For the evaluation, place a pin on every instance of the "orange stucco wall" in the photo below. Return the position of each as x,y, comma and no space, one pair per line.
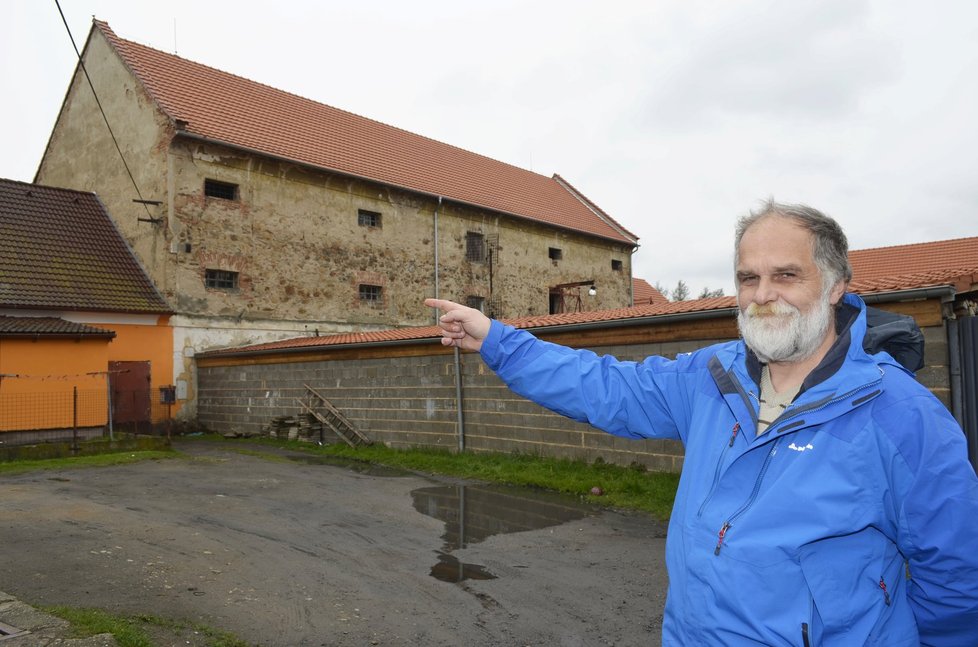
37,389
42,375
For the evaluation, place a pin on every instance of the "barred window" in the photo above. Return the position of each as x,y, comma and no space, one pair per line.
372,294
218,189
475,247
616,266
221,279
555,253
368,218
479,303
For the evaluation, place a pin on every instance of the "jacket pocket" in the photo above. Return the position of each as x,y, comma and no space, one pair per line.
842,574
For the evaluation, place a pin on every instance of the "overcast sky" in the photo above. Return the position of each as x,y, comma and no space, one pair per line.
674,116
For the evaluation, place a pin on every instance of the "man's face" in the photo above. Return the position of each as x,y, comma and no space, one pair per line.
785,310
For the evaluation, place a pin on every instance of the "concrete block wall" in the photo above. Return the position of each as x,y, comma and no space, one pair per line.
407,400
411,401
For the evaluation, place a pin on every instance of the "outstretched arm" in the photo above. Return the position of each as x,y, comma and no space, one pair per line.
461,326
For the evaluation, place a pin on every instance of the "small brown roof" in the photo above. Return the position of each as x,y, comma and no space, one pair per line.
643,292
207,103
48,327
60,250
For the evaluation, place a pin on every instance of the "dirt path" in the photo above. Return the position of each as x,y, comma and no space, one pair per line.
284,552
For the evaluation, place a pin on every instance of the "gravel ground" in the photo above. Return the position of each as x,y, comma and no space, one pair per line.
282,551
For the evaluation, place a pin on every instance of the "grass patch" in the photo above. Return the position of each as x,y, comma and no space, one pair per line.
134,631
95,460
631,488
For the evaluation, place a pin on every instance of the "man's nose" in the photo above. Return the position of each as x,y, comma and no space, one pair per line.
766,291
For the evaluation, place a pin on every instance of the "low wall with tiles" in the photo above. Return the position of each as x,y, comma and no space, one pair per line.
405,396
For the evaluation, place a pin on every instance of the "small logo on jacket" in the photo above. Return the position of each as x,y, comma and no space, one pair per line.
803,448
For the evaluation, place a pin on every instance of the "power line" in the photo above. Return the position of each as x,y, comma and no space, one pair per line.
81,64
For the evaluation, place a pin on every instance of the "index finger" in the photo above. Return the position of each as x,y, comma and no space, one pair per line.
442,304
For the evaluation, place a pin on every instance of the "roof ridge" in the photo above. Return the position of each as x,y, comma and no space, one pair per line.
334,140
46,187
926,243
104,26
598,211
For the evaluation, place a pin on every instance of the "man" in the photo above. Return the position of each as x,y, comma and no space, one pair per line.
825,499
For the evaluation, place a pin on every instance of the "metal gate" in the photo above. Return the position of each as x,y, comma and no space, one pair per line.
968,410
131,404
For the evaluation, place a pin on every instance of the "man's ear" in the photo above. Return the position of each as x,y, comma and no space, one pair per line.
835,294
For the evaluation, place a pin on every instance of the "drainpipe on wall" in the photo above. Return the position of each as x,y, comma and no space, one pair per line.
954,370
458,362
458,400
437,294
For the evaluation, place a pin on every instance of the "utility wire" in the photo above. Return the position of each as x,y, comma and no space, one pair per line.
81,64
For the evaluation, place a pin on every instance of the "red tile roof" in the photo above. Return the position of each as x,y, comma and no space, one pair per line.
910,267
915,259
60,250
48,327
219,106
643,292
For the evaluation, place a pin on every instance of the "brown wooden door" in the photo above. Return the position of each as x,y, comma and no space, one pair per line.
130,395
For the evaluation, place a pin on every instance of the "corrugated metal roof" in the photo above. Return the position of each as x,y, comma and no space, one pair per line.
219,106
60,250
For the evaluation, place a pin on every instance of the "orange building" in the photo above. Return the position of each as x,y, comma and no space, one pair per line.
85,341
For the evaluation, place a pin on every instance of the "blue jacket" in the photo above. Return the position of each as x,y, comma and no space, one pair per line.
852,521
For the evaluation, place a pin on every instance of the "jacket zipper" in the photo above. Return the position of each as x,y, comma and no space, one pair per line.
716,472
722,534
804,635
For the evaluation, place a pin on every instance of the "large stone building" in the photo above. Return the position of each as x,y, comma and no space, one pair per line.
261,215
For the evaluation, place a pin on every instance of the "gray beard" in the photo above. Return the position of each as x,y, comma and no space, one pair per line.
791,338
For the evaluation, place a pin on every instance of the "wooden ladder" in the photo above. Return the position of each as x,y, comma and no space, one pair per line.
331,418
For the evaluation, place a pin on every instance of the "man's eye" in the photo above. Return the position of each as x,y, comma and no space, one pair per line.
748,280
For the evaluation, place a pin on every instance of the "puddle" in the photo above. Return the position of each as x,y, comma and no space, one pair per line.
474,513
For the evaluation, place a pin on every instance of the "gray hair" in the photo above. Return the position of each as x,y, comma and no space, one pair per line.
830,249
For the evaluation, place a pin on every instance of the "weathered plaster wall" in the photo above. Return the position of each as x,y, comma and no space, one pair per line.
293,237
81,154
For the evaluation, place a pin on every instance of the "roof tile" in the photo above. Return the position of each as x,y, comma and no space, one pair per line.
223,107
48,327
59,249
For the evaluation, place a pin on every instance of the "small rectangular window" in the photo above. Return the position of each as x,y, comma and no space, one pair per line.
616,266
222,190
221,279
479,303
475,247
372,294
368,218
555,253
